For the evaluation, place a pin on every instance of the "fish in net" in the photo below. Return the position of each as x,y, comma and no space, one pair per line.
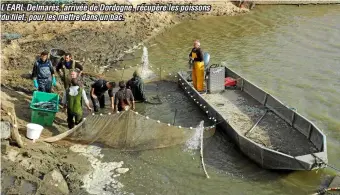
126,131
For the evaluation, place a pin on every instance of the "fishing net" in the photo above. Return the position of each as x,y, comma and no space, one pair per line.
127,131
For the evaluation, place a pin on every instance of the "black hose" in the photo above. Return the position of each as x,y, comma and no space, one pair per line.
175,117
214,66
153,103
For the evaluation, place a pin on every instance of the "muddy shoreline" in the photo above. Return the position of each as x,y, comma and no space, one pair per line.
94,44
26,170
62,168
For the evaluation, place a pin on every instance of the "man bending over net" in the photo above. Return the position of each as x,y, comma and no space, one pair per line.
124,98
97,93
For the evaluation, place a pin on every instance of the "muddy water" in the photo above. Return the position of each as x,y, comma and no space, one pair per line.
292,52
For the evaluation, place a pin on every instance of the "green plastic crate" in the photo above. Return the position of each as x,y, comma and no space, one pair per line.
42,116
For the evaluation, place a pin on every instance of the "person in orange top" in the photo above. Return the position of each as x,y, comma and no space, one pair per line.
197,58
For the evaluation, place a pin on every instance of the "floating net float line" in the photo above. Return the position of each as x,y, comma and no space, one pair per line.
127,131
191,93
158,70
158,121
138,65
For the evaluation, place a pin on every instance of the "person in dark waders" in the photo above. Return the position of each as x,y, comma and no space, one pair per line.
197,59
124,99
72,100
98,89
67,65
43,74
136,85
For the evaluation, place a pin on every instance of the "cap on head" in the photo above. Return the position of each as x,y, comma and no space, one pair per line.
121,84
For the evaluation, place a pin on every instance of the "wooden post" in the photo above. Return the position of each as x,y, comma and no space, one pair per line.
13,120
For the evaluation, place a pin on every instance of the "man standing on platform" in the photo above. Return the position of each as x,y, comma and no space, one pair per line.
197,58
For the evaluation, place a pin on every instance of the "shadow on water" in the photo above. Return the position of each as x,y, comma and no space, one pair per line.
175,105
221,153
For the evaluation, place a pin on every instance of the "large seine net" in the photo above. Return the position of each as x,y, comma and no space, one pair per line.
128,131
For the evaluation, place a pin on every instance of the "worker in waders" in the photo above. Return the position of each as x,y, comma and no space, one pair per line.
67,65
197,59
72,100
124,99
136,85
98,89
43,74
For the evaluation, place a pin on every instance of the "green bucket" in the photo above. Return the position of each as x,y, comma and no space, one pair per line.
42,116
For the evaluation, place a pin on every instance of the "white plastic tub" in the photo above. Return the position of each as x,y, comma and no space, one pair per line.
33,131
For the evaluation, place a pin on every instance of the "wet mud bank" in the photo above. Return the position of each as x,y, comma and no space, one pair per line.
95,44
41,168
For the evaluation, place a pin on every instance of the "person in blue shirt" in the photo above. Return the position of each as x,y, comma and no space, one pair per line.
43,74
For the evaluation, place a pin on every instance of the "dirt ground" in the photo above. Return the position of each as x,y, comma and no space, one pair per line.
25,170
42,168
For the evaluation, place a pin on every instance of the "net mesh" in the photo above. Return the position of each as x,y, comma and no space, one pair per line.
128,131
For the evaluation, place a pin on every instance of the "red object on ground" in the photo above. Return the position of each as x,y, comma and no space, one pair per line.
229,81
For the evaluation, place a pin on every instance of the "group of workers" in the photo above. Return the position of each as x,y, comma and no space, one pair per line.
44,76
70,71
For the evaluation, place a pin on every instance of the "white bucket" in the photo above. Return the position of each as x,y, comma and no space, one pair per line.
34,131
